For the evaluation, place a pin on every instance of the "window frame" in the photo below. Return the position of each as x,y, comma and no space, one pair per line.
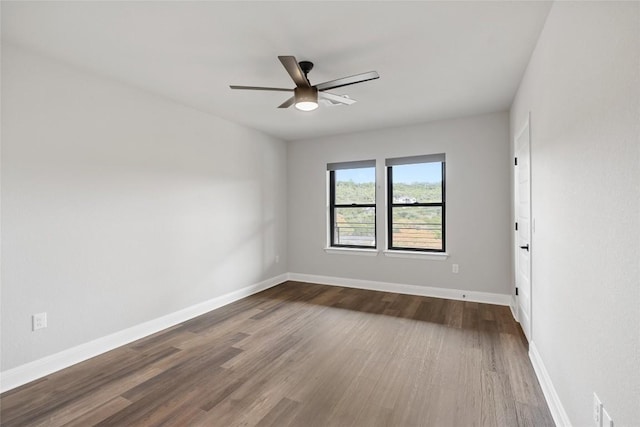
391,204
331,168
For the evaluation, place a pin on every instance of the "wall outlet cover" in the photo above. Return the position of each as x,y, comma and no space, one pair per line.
39,321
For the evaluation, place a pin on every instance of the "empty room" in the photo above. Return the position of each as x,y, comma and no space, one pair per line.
320,213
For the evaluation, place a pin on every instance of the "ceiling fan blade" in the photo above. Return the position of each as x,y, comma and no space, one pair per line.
293,68
278,89
336,98
288,103
346,81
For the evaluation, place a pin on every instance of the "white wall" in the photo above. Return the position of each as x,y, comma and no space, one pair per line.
119,207
582,87
477,188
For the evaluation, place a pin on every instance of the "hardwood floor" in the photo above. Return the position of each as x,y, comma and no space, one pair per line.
304,355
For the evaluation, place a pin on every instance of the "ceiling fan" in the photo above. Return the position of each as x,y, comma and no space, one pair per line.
305,96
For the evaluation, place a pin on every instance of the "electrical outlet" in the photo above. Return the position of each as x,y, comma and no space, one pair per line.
39,321
597,410
277,259
455,268
606,419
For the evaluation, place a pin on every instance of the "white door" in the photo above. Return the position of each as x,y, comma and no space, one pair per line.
523,234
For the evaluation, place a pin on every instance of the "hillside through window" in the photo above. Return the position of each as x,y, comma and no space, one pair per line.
416,203
352,199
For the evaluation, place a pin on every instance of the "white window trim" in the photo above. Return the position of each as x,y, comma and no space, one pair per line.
351,251
435,256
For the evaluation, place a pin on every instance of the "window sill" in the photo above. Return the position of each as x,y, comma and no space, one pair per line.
436,256
352,251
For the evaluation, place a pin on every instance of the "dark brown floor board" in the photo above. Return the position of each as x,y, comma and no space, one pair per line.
302,354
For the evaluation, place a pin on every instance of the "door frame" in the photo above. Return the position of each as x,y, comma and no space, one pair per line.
525,127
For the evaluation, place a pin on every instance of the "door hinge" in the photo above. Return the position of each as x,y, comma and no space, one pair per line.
515,161
516,291
516,226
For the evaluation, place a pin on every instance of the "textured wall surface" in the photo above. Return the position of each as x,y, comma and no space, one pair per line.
477,197
582,88
119,207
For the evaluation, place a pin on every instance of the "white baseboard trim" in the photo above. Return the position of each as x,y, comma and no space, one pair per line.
513,306
31,371
426,291
28,372
553,400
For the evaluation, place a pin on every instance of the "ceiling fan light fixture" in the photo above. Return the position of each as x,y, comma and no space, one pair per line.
306,98
306,105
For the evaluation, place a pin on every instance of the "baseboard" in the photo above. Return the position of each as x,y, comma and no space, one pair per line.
427,291
28,372
553,400
514,311
31,371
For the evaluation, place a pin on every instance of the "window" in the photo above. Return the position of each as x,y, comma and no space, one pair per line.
352,204
416,203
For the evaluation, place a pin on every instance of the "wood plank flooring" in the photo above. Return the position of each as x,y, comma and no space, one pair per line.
302,354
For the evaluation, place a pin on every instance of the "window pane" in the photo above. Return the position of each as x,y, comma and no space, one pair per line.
355,186
355,226
417,227
419,182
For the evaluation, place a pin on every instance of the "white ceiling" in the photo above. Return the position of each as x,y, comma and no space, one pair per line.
436,60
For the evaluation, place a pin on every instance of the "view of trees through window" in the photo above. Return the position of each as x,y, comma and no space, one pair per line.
416,206
355,225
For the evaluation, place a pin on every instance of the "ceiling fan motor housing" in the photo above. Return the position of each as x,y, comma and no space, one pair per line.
306,94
